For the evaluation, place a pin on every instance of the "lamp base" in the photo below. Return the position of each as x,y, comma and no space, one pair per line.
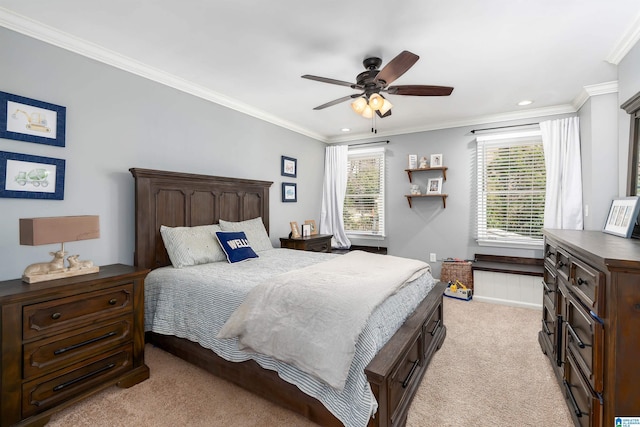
59,274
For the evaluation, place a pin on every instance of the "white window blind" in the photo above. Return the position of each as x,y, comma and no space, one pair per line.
511,189
363,212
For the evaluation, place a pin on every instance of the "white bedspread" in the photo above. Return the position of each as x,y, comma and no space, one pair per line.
312,317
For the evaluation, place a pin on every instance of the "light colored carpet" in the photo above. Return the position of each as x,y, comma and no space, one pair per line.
489,372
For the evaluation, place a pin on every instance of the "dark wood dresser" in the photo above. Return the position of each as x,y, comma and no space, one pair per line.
63,340
315,243
591,322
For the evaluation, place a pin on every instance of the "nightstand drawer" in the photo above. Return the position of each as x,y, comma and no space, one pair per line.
47,355
46,392
78,310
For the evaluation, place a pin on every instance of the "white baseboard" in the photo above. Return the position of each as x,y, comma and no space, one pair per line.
510,303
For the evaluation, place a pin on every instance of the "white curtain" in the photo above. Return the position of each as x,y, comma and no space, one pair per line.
333,192
563,204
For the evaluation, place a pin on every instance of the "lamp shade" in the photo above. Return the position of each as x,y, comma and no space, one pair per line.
359,105
375,101
48,230
367,113
386,106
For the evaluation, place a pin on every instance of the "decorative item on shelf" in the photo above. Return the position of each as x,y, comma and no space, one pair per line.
623,216
295,233
306,230
434,186
49,230
312,223
413,161
436,160
424,164
415,190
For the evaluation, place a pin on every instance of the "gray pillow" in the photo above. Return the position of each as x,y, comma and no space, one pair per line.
192,245
253,229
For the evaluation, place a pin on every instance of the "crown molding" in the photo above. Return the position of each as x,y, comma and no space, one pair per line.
42,32
625,44
594,90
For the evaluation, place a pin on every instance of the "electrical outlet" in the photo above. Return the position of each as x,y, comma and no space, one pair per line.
432,257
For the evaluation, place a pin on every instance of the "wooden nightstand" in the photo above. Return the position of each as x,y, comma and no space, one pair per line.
314,243
63,340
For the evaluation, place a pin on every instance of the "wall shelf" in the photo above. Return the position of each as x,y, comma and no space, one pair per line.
411,196
441,168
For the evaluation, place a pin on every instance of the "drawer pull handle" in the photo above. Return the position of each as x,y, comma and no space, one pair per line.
113,301
91,341
546,328
581,281
84,377
56,316
574,403
575,336
435,327
407,380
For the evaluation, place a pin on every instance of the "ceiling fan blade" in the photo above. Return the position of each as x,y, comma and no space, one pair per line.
327,80
420,90
397,67
337,101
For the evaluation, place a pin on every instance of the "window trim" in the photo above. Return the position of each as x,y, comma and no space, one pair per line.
364,234
500,139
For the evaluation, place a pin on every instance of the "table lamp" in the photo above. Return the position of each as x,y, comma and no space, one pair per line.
63,229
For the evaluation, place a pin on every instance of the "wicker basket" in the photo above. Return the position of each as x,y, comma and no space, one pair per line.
459,270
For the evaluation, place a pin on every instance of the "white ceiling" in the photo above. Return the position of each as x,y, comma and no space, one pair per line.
249,55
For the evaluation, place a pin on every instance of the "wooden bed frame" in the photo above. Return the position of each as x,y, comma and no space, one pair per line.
181,199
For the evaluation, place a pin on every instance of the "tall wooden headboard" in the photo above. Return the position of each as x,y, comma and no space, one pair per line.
181,199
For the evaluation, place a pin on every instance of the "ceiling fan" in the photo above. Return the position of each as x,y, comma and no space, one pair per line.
373,82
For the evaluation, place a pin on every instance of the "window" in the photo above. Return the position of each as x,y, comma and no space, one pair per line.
363,212
511,189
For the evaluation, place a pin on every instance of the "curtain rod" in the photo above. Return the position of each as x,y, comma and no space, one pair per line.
504,127
367,143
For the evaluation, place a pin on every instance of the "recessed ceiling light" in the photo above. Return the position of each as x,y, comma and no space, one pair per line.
345,130
525,102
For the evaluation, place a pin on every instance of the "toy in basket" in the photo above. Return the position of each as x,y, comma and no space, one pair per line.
459,291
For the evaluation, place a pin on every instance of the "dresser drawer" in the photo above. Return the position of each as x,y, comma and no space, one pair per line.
46,392
585,406
47,355
550,253
402,379
586,283
430,330
549,326
549,286
584,339
72,312
323,245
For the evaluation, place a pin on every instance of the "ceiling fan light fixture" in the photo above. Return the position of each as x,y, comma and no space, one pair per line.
359,105
376,101
386,106
368,112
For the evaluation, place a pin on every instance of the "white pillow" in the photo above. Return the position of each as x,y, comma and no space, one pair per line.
254,230
192,245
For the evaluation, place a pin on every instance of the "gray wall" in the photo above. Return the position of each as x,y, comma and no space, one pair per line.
115,121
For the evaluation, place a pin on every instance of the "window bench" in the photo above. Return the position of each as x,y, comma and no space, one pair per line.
514,281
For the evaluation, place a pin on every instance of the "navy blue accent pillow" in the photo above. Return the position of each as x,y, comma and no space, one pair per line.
235,245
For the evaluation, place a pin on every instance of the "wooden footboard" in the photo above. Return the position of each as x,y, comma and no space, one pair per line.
394,374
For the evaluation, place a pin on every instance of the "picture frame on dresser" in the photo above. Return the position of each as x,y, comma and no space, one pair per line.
31,177
623,216
30,120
